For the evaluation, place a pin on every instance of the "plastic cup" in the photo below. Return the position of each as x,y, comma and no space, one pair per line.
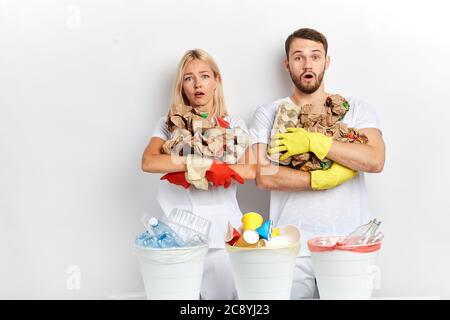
172,274
288,234
275,232
231,235
248,239
251,221
265,230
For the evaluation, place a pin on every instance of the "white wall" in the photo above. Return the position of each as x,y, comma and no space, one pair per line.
83,82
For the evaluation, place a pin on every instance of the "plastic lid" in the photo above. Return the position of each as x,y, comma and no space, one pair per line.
153,222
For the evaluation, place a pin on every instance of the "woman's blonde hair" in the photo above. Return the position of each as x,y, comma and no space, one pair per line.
179,98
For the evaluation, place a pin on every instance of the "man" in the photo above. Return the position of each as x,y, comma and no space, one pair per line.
321,202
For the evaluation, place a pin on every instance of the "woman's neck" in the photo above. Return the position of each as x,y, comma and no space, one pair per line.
205,109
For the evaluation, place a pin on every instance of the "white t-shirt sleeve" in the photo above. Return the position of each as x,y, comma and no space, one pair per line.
160,129
364,115
236,123
261,126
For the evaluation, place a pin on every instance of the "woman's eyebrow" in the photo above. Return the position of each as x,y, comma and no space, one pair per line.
191,73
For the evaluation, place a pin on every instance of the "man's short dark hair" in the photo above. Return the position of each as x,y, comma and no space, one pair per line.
308,34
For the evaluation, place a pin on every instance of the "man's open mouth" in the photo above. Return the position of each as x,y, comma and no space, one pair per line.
308,76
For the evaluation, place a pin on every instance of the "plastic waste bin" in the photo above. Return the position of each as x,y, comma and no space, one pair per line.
263,273
172,273
344,272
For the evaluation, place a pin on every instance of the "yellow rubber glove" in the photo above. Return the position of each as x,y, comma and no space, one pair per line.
327,179
298,140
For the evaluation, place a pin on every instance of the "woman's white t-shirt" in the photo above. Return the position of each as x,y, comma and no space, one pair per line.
217,204
336,211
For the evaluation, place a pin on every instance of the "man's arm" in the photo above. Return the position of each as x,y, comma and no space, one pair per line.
360,157
246,166
276,177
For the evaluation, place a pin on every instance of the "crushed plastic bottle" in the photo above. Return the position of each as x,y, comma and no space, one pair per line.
147,240
166,237
364,234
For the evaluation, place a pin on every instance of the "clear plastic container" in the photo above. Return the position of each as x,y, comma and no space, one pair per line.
191,228
364,234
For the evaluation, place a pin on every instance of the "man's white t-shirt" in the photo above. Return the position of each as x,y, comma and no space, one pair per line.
336,211
217,204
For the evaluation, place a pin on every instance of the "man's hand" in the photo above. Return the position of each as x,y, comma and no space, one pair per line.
298,141
178,178
327,179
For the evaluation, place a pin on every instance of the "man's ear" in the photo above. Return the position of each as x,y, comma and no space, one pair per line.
286,64
327,62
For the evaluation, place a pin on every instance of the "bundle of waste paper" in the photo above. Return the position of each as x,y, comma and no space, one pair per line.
192,132
326,121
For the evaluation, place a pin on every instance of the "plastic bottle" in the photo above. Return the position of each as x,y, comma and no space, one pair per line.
146,240
358,235
166,237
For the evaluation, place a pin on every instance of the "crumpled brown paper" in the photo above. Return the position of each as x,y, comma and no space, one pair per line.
196,170
327,122
193,134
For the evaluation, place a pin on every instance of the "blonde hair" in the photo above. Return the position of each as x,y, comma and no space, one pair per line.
179,98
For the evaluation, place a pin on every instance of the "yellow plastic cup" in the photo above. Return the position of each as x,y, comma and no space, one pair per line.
275,232
251,221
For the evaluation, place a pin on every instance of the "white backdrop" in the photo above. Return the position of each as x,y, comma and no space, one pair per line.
83,82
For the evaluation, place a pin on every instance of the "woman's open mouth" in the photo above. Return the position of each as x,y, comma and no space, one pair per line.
199,94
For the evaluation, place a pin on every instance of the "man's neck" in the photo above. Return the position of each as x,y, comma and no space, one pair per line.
317,98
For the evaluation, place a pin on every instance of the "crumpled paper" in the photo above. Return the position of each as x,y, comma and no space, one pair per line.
327,122
196,170
191,133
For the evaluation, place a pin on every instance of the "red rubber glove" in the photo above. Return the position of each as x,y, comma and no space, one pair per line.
177,178
220,174
223,123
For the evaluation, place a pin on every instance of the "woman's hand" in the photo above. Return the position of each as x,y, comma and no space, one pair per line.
220,174
178,178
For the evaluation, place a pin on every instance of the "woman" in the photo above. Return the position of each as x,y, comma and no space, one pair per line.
203,185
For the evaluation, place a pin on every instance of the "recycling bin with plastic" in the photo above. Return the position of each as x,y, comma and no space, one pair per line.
344,271
172,274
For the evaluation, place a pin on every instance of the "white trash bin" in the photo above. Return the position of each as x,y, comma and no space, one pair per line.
263,273
350,273
172,274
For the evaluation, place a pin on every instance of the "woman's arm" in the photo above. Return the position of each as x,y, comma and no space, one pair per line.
154,161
